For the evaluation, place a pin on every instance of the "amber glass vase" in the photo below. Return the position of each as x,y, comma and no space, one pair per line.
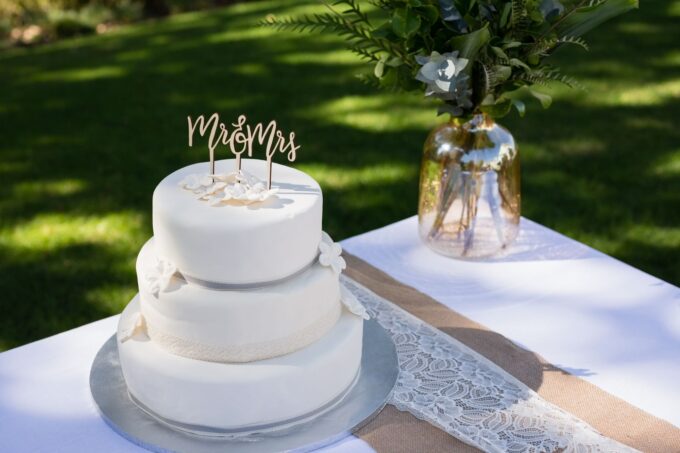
469,189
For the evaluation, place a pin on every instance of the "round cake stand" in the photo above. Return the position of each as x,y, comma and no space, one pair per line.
364,400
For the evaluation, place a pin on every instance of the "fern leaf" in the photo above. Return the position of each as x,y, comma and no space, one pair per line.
576,40
519,17
543,77
353,9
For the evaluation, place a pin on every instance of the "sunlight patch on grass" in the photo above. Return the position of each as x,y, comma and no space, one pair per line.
13,167
171,68
579,146
669,165
52,231
249,69
133,55
674,9
239,34
651,124
653,94
79,74
60,187
376,113
333,58
670,59
657,236
347,178
637,28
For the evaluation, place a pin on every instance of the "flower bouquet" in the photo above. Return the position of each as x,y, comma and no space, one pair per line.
481,58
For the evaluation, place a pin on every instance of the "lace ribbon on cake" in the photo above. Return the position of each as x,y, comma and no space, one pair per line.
454,388
239,353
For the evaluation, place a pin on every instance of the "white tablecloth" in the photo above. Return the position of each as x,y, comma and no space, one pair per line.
592,315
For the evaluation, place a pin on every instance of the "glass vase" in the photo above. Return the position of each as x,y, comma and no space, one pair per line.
469,189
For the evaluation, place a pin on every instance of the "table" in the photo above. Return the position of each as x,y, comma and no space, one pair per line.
592,315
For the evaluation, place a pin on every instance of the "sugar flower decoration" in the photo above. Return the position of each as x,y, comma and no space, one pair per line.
330,254
352,304
238,186
159,276
134,328
442,73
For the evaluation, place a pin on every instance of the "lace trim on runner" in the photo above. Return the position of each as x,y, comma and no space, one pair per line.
456,389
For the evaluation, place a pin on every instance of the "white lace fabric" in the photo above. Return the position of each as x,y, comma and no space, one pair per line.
454,388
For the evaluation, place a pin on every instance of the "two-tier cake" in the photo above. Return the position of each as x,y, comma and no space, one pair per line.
240,321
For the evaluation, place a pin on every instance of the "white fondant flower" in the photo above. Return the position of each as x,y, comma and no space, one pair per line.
137,326
350,301
159,276
239,186
330,254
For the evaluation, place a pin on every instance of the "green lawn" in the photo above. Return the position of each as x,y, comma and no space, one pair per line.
89,126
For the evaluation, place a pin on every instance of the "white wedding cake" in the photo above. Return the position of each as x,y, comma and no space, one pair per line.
241,320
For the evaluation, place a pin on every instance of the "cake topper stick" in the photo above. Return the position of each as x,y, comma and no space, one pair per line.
282,146
214,138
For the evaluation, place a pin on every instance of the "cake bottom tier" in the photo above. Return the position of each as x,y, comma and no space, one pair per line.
224,396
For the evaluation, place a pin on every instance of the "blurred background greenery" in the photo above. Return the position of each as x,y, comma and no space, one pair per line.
90,125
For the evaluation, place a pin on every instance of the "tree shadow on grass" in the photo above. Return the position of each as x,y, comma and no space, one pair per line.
48,292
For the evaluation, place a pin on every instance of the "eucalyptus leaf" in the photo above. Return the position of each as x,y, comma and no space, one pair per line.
394,62
499,109
501,72
519,63
544,99
499,53
505,15
470,44
489,99
584,19
379,69
519,105
429,13
405,23
511,44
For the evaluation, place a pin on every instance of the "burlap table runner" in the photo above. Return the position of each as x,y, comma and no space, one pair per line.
395,431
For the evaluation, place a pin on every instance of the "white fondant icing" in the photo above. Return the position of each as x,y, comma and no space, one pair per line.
224,396
237,326
236,243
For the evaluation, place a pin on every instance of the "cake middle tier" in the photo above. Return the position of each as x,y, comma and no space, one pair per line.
222,325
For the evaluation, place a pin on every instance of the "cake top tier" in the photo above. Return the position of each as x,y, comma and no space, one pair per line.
234,239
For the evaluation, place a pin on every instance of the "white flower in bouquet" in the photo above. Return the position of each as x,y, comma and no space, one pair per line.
444,77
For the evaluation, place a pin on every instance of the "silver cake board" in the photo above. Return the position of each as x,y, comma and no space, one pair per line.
363,401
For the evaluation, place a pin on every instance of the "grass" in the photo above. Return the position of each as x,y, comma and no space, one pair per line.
89,126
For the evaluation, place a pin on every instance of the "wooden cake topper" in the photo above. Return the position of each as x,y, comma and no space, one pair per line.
240,139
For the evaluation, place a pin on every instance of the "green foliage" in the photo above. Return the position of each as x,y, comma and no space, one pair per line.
505,42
